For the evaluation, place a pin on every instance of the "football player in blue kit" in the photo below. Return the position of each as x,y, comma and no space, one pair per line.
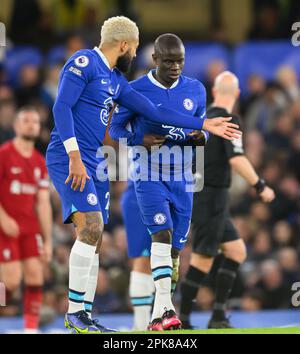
90,82
141,286
165,205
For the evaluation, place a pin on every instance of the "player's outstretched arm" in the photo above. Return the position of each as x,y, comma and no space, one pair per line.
140,104
244,168
222,127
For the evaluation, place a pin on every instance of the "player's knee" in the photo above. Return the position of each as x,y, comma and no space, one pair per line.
12,284
141,265
34,277
237,253
164,236
12,279
201,262
92,229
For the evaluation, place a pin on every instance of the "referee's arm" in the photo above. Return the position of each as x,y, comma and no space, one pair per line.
244,168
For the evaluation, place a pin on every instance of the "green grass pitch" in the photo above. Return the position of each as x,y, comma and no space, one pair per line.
285,330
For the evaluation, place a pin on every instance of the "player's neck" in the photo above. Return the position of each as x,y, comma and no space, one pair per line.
224,102
161,81
110,55
24,147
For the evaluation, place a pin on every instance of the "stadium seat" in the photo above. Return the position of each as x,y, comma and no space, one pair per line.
19,56
199,56
264,59
56,55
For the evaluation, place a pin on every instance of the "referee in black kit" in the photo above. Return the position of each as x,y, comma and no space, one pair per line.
213,229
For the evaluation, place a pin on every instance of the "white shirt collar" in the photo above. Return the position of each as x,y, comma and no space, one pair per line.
103,57
157,83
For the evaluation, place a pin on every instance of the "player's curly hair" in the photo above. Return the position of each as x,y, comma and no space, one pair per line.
119,28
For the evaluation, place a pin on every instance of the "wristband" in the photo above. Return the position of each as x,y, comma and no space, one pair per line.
260,186
71,145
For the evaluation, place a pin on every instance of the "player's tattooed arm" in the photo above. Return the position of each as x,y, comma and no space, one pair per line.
89,227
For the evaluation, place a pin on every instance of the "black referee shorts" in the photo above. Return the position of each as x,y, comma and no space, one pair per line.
212,224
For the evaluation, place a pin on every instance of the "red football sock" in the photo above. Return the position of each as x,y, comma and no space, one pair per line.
32,306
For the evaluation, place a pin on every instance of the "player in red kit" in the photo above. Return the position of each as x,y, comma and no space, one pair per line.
25,215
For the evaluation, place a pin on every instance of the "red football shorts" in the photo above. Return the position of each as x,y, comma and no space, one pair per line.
26,245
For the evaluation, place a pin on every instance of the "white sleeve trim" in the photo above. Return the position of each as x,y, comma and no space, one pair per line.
205,134
44,183
71,145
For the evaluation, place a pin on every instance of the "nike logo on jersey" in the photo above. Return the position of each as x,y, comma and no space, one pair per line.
16,170
104,82
183,240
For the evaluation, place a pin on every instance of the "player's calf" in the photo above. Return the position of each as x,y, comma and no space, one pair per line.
162,268
89,230
175,273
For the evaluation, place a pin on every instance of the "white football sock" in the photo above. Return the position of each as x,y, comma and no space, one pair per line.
80,264
161,265
141,295
91,286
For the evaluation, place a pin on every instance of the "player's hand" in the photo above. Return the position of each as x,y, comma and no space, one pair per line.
47,251
267,195
77,171
198,137
10,226
221,127
153,140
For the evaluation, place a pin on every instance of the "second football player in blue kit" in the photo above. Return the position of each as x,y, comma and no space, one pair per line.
164,200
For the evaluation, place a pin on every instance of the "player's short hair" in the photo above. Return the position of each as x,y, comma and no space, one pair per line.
119,28
25,109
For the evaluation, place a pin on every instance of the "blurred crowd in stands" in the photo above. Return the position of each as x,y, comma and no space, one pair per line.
271,121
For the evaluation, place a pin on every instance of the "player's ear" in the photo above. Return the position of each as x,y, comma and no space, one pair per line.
123,46
155,58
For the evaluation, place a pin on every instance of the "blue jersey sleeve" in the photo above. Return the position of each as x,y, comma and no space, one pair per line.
201,109
140,104
74,77
118,127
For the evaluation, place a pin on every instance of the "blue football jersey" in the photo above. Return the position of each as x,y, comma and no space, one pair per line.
186,95
89,70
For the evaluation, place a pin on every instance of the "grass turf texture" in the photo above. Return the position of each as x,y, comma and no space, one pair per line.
285,330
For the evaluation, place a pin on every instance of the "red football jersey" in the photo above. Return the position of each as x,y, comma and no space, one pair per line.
20,180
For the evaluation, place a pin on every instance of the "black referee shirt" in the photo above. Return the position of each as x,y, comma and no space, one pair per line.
218,152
